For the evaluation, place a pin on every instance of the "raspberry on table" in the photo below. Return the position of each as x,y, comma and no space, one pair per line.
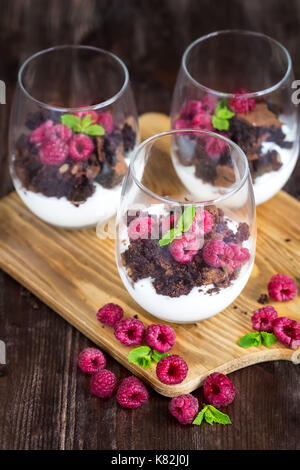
282,288
80,147
53,151
91,360
184,408
160,337
106,121
41,133
241,104
287,331
103,384
132,393
185,248
171,370
218,390
130,331
190,109
140,227
262,318
110,314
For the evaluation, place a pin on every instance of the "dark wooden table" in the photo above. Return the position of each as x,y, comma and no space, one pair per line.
44,401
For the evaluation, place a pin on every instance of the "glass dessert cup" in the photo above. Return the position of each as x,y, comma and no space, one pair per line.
238,83
72,131
183,259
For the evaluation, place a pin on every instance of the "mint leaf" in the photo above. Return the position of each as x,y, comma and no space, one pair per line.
86,121
199,418
71,121
220,124
156,356
268,338
218,417
183,225
250,339
94,130
140,356
209,418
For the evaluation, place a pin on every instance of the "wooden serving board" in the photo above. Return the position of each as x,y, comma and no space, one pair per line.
75,273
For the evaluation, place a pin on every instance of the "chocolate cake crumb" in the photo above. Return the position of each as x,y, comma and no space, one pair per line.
263,299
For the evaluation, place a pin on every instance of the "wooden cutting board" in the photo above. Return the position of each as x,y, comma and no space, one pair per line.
75,273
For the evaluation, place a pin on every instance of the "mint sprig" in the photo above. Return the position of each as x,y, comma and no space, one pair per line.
144,355
183,225
211,415
257,338
222,114
84,125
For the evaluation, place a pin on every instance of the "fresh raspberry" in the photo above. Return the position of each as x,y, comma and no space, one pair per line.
215,147
202,121
185,248
160,337
190,108
209,103
110,314
103,384
106,121
132,393
93,115
182,124
282,288
41,133
239,257
202,223
91,360
53,151
218,254
80,147
240,104
218,390
287,331
172,369
130,331
62,132
140,227
168,222
262,318
184,408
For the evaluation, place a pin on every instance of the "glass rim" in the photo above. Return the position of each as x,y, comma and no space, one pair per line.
96,106
235,188
246,33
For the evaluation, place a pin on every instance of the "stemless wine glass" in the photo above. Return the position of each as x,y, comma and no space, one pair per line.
184,259
72,130
238,83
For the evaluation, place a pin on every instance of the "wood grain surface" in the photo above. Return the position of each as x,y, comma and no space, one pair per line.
44,402
75,273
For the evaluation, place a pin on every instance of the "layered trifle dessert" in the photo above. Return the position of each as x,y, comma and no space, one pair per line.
258,127
184,264
68,168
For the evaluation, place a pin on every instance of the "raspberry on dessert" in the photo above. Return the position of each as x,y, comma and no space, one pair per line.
218,254
110,314
262,318
168,222
53,151
215,147
202,121
62,132
241,104
287,331
130,331
282,288
184,408
160,337
172,369
106,121
209,103
202,223
93,115
91,360
41,133
81,146
190,108
185,248
239,256
132,393
103,384
182,124
140,227
218,390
